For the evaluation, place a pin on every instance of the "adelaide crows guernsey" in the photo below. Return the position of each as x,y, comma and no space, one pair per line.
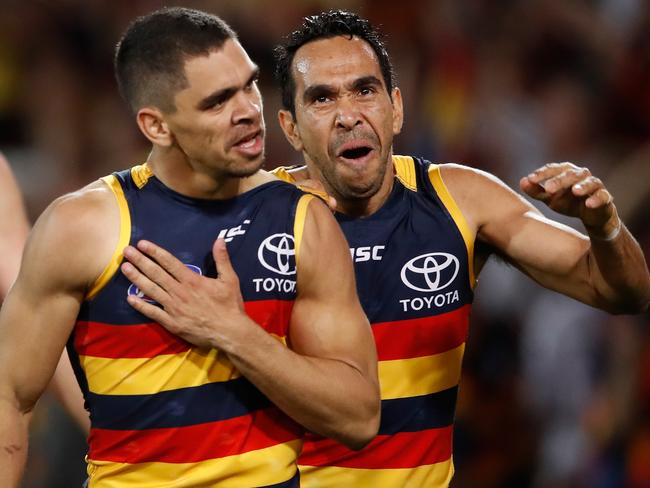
167,414
413,264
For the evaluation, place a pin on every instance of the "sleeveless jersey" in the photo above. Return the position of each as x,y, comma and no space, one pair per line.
413,264
167,414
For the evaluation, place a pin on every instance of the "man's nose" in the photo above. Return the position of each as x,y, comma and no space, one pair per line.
248,108
348,115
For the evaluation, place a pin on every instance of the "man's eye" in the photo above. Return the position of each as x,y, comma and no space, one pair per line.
366,91
321,99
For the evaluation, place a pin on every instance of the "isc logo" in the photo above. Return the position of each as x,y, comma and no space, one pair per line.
366,253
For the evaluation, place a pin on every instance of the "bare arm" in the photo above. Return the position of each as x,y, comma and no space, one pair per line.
61,259
610,274
327,381
13,227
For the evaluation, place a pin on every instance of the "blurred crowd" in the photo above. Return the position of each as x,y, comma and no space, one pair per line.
554,393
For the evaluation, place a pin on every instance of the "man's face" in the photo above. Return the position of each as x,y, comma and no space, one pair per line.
218,122
345,120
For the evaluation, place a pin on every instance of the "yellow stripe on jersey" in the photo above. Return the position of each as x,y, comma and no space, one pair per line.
122,241
282,173
405,171
146,376
141,174
402,378
436,475
255,468
457,215
299,222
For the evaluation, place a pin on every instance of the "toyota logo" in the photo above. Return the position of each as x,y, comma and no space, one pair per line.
430,272
277,254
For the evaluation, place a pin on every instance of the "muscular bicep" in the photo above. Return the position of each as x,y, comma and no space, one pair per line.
327,320
64,253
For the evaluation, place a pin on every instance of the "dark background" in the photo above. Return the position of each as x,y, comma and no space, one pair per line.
554,393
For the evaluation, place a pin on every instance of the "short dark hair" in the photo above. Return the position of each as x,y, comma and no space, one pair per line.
150,56
323,26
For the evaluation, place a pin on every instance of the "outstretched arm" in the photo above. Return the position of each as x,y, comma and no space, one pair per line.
605,269
327,380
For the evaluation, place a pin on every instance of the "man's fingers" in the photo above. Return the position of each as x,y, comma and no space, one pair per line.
599,199
548,171
165,259
156,314
587,186
147,287
149,268
313,185
565,180
317,188
533,190
222,260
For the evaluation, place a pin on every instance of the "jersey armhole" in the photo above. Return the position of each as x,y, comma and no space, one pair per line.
452,207
299,223
123,240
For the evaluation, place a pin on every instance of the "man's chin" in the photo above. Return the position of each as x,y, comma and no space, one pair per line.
247,168
360,192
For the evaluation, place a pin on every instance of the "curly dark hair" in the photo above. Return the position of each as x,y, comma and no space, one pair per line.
150,56
323,26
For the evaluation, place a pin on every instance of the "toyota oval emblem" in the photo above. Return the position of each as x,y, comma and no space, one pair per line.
430,272
277,254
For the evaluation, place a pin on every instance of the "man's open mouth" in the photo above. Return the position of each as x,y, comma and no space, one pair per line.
355,153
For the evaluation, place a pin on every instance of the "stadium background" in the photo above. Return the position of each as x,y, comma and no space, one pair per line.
553,393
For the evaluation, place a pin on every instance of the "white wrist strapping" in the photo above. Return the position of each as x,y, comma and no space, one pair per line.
612,235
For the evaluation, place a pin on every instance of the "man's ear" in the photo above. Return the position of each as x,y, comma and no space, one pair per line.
398,111
152,124
290,129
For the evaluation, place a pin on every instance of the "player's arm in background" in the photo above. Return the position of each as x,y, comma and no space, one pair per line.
605,268
63,255
327,379
13,227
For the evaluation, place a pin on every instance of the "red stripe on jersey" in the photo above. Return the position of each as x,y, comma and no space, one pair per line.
414,338
125,341
264,428
151,339
272,315
401,450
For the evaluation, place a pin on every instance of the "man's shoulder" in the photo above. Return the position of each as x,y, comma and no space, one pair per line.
87,203
75,236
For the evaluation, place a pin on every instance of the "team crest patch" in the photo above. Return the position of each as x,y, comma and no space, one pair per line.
134,291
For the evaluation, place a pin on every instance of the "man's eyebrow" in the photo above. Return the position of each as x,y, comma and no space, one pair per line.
216,98
315,91
364,81
224,94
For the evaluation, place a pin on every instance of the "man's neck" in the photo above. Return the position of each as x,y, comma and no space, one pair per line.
364,207
197,181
